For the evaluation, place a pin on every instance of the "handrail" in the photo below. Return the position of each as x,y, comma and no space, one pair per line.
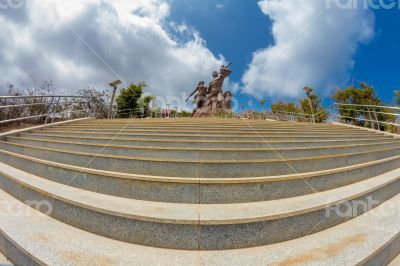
23,105
41,96
22,118
48,107
369,120
368,111
292,113
366,105
375,116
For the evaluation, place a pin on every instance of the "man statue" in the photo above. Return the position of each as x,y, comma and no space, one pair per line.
201,96
215,87
228,100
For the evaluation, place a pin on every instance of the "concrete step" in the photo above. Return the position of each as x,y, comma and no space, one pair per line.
266,152
4,261
208,128
199,226
207,123
195,190
223,137
370,239
199,168
395,262
199,128
195,132
204,143
186,122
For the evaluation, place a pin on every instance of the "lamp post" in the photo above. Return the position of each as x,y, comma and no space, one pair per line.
309,91
262,102
168,109
114,85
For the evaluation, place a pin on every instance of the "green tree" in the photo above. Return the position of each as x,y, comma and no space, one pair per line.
359,115
128,99
288,110
318,111
397,97
144,101
287,107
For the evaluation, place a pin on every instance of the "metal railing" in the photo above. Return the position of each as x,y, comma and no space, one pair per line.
45,109
377,117
289,116
147,113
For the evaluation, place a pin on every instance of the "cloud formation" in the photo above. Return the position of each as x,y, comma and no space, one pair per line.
314,46
92,42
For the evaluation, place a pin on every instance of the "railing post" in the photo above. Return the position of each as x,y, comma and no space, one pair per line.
377,120
370,118
55,109
48,110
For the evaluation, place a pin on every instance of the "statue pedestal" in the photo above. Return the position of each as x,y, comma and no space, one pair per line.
205,111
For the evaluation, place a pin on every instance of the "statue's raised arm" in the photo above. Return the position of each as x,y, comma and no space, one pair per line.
225,71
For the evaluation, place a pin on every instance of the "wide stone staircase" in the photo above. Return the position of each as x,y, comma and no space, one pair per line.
199,192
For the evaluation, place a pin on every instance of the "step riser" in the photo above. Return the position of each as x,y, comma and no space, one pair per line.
255,137
15,254
202,155
194,169
193,237
217,133
213,130
386,255
258,144
208,124
197,193
214,126
241,124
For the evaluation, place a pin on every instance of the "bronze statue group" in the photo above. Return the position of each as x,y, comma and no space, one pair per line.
212,100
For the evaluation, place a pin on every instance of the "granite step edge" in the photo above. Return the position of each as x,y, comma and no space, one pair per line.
161,212
356,242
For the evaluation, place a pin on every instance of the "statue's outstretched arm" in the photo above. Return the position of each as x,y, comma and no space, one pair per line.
225,72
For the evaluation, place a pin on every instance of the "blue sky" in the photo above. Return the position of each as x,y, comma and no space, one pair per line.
276,47
234,29
378,63
238,28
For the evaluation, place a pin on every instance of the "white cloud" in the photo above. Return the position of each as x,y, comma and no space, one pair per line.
220,5
132,37
321,56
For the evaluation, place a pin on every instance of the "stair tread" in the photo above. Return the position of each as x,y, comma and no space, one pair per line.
56,243
196,180
201,161
190,149
205,141
198,213
219,133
